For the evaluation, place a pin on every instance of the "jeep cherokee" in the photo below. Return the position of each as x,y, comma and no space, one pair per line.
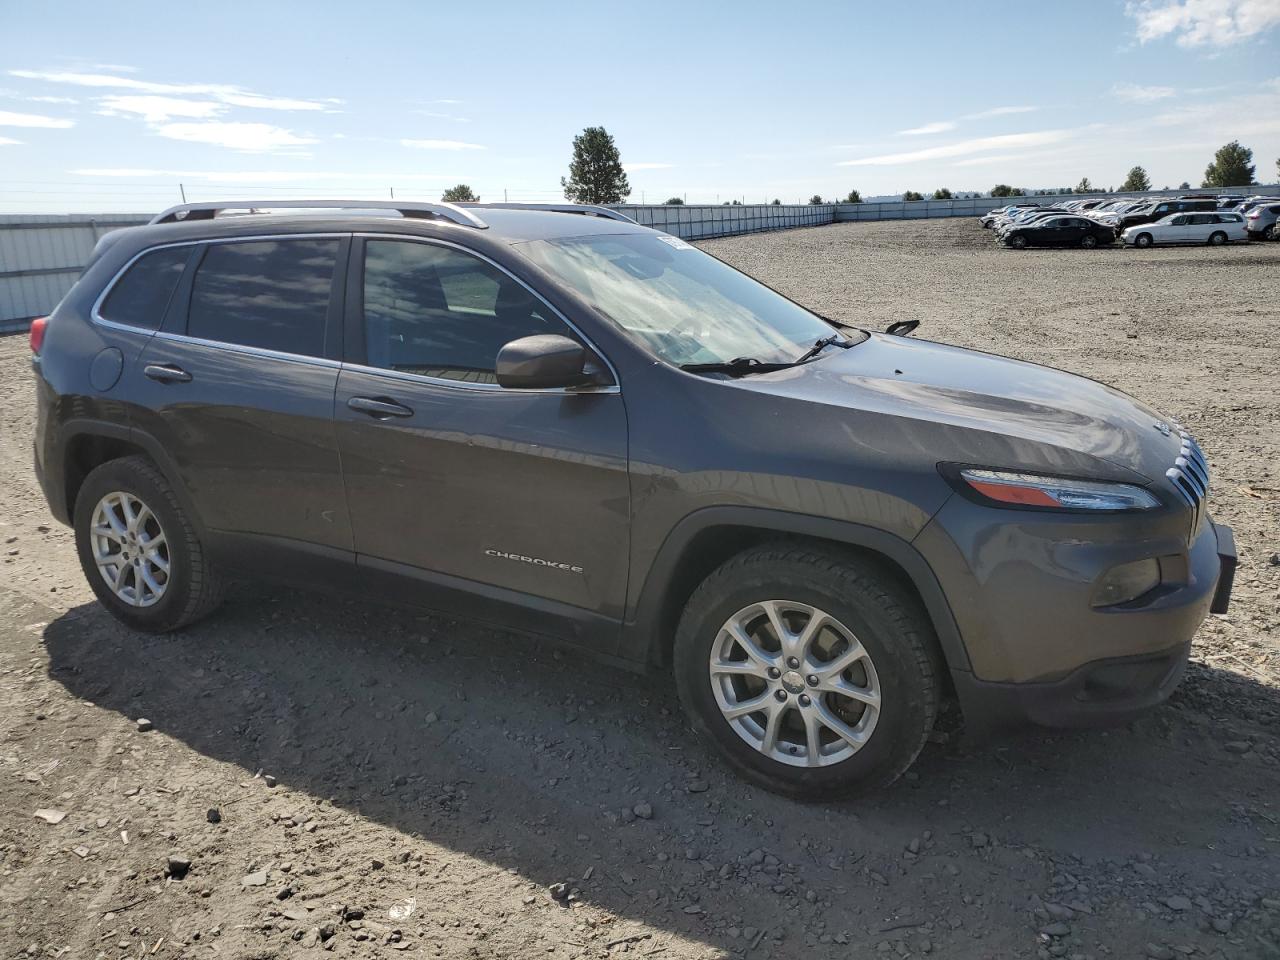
562,422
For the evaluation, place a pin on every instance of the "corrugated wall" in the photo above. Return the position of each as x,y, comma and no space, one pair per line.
41,256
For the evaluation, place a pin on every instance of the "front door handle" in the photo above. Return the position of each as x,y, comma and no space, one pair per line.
379,408
166,373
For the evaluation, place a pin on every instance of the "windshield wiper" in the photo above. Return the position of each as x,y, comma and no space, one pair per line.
818,346
738,366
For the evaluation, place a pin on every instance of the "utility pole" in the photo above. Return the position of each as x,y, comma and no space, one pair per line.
393,192
504,194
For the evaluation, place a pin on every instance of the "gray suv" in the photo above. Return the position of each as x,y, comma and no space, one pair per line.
562,422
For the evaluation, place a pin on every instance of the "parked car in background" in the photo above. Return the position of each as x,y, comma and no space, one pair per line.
1158,210
1211,228
989,219
1260,222
1246,205
1229,202
1059,231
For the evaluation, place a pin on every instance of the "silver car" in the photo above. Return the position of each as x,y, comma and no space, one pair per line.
1211,228
1261,222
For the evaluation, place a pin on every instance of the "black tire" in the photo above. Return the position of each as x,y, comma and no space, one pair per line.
1217,238
193,589
1271,233
1143,240
883,615
1089,241
1018,242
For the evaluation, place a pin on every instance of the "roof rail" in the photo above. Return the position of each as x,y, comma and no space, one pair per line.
587,209
406,208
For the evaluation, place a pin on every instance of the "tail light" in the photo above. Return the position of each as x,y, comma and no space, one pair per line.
38,327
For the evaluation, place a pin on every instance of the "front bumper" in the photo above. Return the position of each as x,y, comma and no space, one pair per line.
1107,690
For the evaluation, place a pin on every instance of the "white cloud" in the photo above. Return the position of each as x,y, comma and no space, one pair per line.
941,126
647,166
1197,23
440,145
998,112
250,137
222,92
1134,93
9,119
71,100
8,142
158,109
962,148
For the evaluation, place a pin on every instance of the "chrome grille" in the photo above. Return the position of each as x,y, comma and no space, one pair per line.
1190,477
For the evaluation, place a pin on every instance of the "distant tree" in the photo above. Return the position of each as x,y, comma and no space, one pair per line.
855,197
815,199
1017,192
1232,166
1184,185
674,202
1084,186
595,172
911,195
460,194
1278,168
775,202
942,193
1002,190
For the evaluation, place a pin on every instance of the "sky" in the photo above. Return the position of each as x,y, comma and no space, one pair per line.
111,107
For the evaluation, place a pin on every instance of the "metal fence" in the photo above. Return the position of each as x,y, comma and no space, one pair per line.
977,206
41,256
698,222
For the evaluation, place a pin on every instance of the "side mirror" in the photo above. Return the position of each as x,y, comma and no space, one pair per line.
544,361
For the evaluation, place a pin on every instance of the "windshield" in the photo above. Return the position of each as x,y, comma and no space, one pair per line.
682,304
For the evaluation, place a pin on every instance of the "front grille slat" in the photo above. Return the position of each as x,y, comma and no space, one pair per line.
1189,476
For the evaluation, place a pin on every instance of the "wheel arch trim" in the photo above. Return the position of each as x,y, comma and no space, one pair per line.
642,634
77,428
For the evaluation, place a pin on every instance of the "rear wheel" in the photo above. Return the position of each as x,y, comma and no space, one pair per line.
139,550
811,673
1271,233
1217,238
1089,241
1143,240
1018,242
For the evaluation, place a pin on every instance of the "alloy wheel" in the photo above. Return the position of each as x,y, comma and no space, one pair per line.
795,683
130,549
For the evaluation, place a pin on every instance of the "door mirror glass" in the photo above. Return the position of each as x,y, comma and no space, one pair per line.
544,361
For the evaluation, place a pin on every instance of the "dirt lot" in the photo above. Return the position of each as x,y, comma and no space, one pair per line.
433,779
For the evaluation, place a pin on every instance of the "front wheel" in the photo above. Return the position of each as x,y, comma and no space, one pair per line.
1089,242
810,672
139,550
1143,240
1217,238
1018,242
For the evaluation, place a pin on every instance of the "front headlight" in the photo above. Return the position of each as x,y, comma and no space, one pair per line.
1056,493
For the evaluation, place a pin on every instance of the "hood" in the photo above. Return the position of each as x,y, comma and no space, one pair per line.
1004,402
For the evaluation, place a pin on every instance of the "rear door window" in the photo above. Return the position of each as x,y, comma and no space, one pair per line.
269,294
141,296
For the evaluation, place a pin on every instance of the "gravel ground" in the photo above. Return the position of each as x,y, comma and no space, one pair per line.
320,774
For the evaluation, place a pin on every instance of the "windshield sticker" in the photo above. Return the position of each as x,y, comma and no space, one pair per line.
676,242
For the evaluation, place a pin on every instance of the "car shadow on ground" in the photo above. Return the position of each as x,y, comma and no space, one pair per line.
526,755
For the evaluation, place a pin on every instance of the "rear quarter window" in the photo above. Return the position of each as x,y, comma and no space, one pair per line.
141,296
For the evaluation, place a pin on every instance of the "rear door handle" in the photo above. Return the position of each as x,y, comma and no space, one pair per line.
166,373
379,408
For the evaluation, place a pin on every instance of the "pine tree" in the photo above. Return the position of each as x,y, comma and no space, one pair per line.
595,172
